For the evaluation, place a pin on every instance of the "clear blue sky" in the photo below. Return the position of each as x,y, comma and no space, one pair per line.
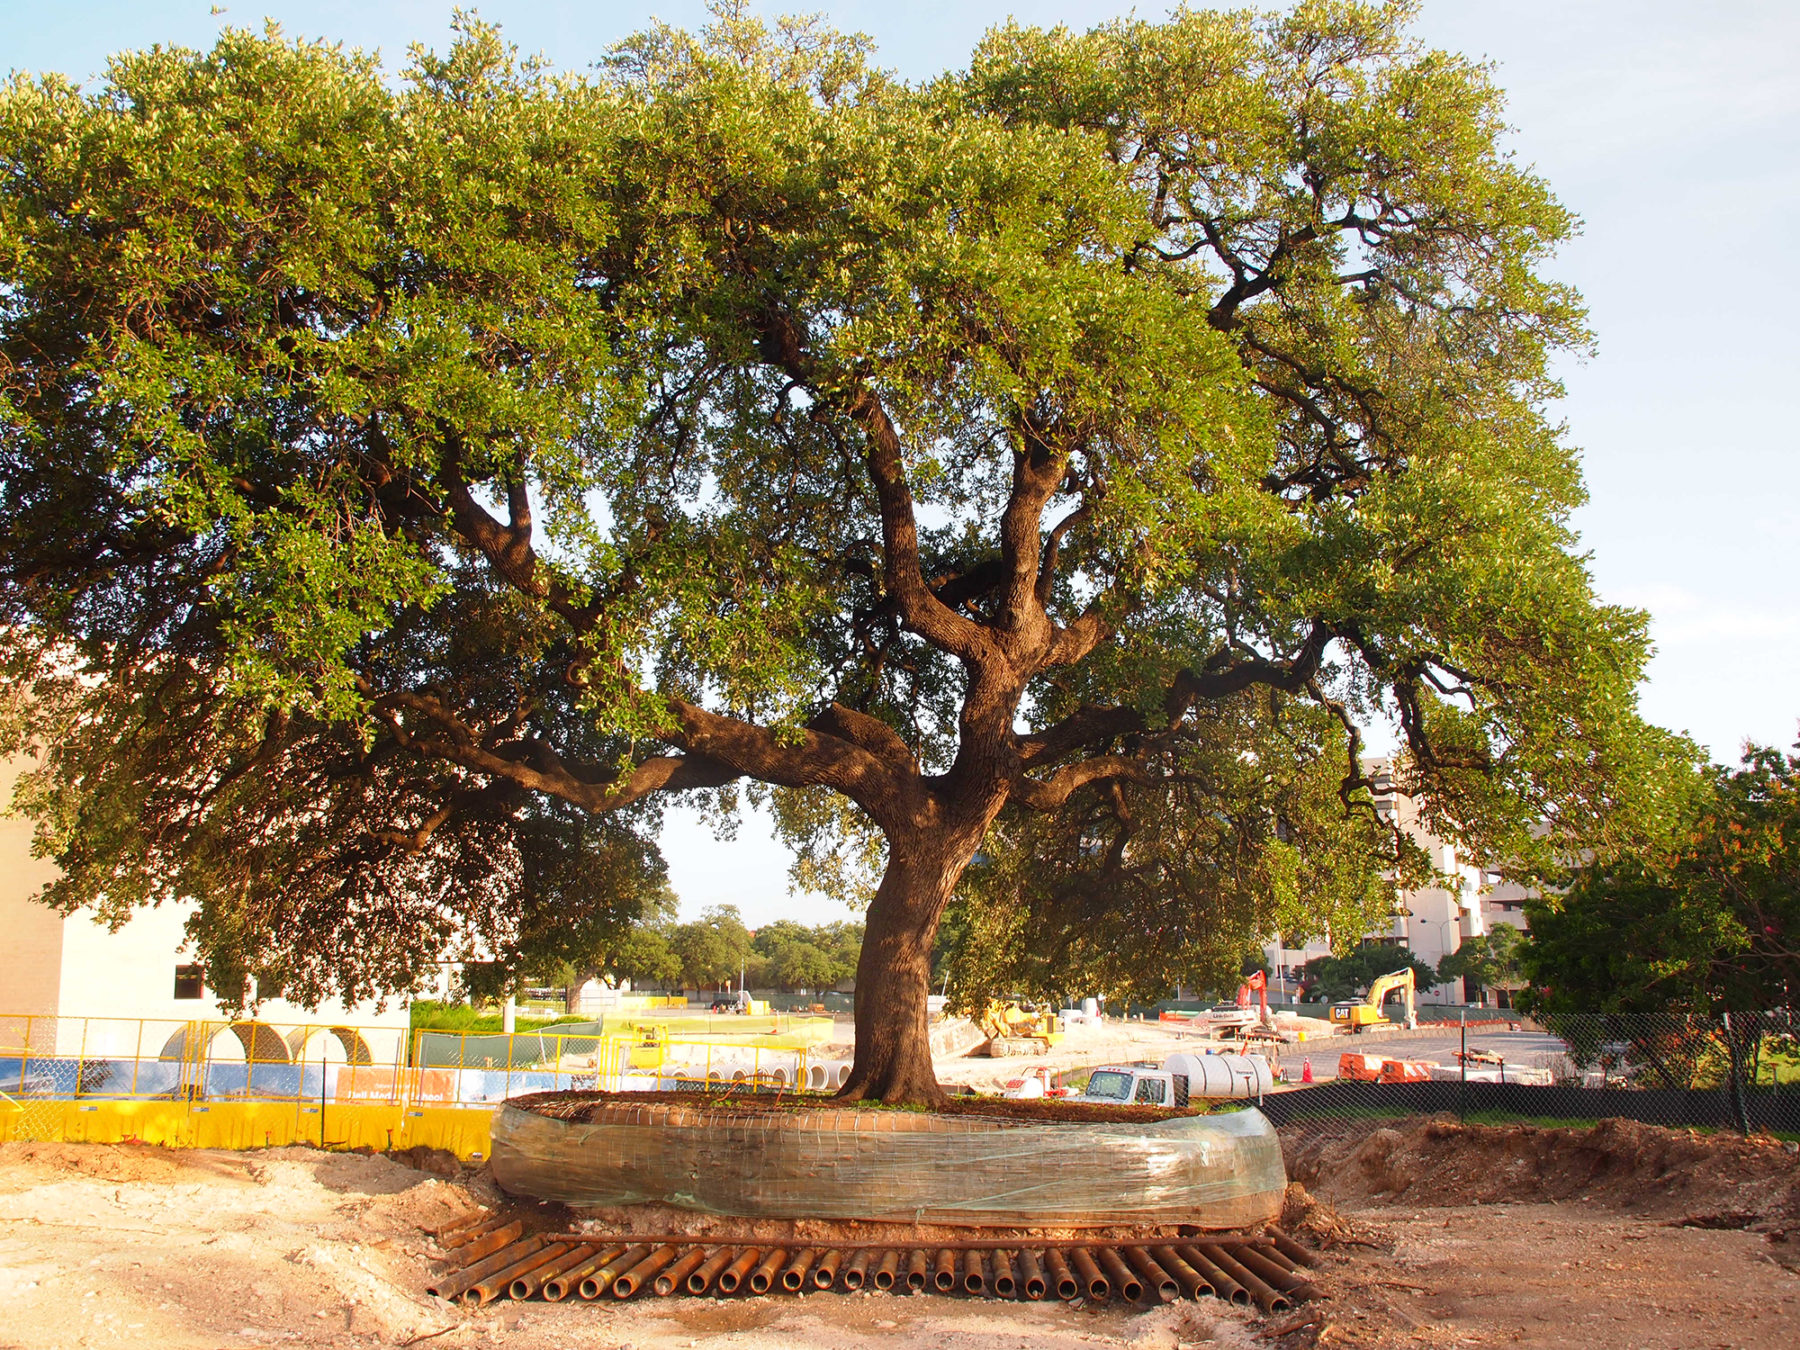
1671,127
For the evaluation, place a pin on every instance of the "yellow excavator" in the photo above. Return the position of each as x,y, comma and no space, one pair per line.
1009,1021
1361,1016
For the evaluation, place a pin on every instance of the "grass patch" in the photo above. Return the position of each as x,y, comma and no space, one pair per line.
430,1015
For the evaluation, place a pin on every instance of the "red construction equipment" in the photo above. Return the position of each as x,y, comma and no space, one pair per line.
1376,1069
1404,1071
1359,1068
1258,984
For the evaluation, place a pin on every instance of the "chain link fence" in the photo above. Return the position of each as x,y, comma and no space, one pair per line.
49,1062
1737,1071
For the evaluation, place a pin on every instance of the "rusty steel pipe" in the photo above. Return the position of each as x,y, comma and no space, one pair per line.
825,1273
1223,1285
1120,1275
701,1280
858,1270
1092,1281
628,1283
675,1277
943,1271
1291,1249
1031,1276
597,1282
1005,1286
917,1270
1192,1282
794,1277
1269,1250
451,1285
450,1230
766,1273
1239,1269
886,1269
560,1285
974,1279
564,1257
738,1271
474,1232
491,1241
1274,1274
485,1290
1268,1298
1158,1283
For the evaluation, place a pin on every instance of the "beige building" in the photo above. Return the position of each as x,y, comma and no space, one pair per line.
138,992
1431,922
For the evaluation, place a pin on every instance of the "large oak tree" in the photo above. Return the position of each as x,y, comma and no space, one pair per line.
408,485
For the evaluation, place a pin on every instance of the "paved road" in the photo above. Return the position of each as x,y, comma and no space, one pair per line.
1527,1049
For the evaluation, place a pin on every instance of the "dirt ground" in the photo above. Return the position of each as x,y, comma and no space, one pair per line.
1625,1236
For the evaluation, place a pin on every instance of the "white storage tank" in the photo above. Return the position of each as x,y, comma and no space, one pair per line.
1217,1076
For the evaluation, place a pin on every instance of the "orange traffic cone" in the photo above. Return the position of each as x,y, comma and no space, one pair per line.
1306,1071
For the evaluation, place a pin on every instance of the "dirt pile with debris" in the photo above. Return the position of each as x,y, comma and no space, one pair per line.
205,1250
1716,1180
1318,1224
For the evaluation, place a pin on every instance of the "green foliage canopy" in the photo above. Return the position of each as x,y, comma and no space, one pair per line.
402,486
713,950
1332,979
1487,960
1709,924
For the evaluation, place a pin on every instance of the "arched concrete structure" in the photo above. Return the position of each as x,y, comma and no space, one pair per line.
239,1042
332,1045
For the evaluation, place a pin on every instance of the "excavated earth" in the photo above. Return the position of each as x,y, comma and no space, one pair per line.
1705,1180
1623,1237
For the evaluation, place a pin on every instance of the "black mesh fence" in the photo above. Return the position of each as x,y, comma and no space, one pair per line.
1734,1072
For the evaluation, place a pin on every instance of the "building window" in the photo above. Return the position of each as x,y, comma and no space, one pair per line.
190,982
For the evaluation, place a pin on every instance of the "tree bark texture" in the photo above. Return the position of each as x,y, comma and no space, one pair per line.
893,972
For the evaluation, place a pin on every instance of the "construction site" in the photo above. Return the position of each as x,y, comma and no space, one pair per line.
1369,1229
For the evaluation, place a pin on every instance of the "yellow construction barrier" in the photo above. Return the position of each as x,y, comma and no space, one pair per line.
462,1130
249,1084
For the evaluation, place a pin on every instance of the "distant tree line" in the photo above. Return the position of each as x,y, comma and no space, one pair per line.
716,950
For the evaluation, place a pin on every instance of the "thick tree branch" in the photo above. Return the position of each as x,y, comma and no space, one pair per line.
1037,471
902,577
1047,794
718,749
507,547
424,727
1222,675
414,841
1087,726
871,733
1046,579
901,573
1071,644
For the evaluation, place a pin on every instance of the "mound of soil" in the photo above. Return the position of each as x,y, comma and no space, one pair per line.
1715,1180
580,1106
122,1162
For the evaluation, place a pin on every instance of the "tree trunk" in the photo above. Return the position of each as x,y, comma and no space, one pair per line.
893,974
